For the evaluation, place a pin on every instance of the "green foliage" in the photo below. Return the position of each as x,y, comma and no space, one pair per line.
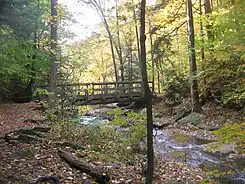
232,133
223,67
236,95
134,121
105,142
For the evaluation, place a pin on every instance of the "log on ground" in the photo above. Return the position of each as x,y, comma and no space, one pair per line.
99,176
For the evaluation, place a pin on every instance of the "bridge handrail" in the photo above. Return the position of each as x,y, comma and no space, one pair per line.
94,83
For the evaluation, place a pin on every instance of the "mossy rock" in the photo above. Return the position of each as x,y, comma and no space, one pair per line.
180,137
179,154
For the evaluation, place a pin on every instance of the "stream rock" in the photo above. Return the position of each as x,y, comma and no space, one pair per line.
182,110
214,124
160,123
193,118
225,149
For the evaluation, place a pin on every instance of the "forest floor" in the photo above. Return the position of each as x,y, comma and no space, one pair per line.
25,162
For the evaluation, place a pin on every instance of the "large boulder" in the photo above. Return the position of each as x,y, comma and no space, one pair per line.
182,110
214,124
193,118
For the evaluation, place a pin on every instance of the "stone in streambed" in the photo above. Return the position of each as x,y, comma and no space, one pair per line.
182,110
193,118
226,149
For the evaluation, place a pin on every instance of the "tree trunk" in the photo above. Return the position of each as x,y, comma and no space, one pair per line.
202,40
209,27
148,97
130,60
152,57
119,45
158,82
53,71
192,59
201,30
137,34
112,50
102,15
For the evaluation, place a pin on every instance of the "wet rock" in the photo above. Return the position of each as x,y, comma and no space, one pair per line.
233,179
180,137
237,180
193,118
226,149
111,106
161,122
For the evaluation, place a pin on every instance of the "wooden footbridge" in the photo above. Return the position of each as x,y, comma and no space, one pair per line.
101,93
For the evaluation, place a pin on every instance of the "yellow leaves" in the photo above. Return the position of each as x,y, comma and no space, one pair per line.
52,19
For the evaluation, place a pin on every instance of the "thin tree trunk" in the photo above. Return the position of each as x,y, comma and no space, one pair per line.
102,16
130,61
137,34
202,35
148,97
202,39
53,71
192,59
158,82
119,45
209,27
152,57
112,50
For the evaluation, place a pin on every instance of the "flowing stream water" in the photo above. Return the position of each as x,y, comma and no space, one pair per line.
183,148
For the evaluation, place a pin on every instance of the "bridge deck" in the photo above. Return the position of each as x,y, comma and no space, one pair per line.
101,93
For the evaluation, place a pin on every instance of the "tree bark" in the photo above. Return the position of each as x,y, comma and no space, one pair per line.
53,71
119,45
137,34
152,57
192,59
209,27
130,60
148,97
102,15
99,176
202,40
158,82
201,30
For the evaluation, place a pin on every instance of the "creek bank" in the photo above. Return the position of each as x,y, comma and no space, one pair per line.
184,137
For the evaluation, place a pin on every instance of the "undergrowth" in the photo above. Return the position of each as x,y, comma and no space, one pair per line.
106,142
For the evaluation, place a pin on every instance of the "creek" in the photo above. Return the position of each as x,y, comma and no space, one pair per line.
184,148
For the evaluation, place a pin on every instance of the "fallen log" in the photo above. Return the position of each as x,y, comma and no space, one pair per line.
27,135
99,176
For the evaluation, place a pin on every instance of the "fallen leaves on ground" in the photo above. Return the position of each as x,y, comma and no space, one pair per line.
16,116
26,162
